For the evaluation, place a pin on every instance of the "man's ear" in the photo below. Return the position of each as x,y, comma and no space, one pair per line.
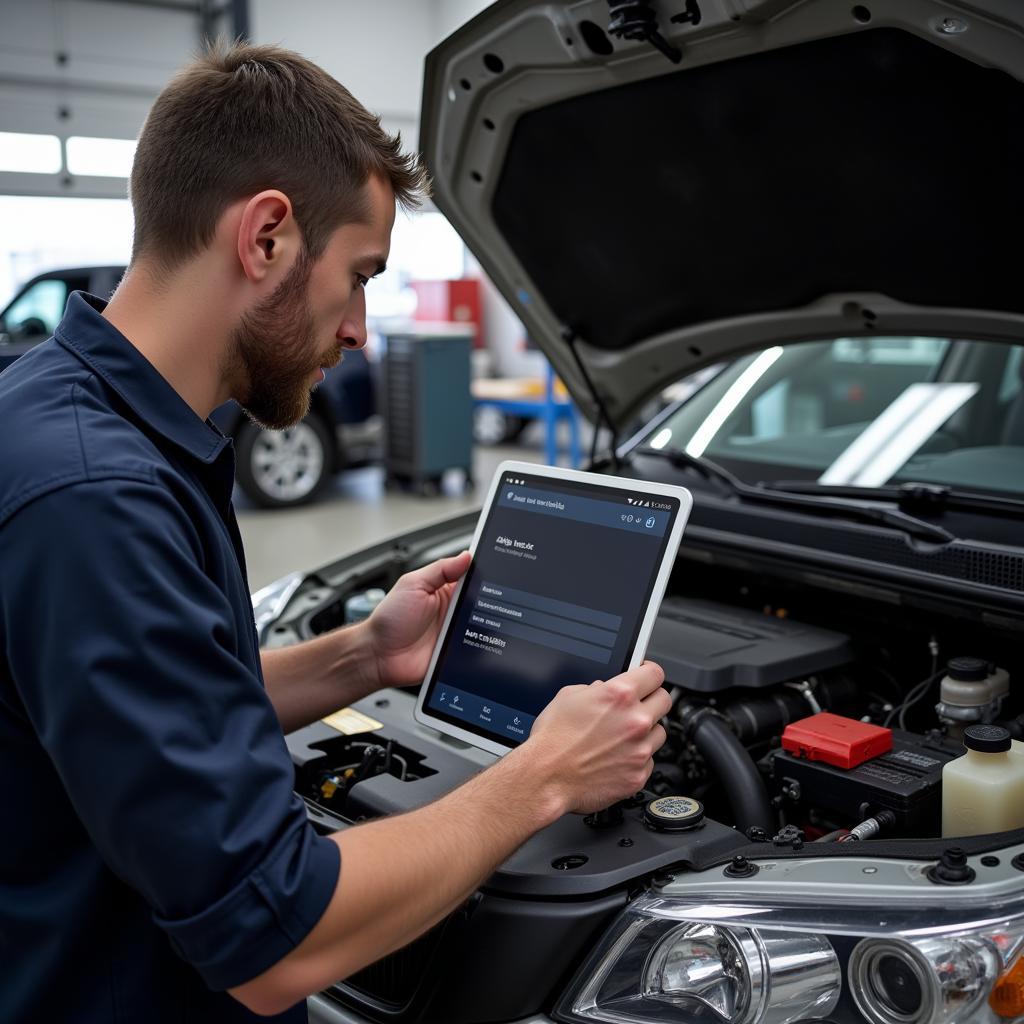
268,236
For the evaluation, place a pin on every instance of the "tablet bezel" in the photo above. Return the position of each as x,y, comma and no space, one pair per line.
423,714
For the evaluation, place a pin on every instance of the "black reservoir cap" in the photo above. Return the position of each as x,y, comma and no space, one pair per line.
991,739
673,813
967,670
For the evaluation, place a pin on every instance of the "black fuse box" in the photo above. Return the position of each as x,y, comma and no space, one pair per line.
907,781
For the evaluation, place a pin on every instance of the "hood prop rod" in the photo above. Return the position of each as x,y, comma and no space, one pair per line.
636,19
571,338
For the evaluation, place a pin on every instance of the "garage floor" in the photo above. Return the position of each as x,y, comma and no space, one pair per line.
355,512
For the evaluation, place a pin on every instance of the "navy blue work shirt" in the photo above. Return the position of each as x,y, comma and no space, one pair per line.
152,851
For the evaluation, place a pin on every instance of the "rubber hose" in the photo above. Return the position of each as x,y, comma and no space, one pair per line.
760,717
734,769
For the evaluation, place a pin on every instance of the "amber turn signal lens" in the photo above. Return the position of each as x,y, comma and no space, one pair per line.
1007,997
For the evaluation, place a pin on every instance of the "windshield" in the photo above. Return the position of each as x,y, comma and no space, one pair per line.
863,412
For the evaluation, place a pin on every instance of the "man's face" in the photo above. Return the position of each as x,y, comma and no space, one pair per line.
282,347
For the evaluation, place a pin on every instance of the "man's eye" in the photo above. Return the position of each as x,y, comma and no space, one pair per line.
361,281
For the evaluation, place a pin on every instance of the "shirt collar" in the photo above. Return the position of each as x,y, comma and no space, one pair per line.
106,351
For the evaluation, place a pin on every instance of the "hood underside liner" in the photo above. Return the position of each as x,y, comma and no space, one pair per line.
867,162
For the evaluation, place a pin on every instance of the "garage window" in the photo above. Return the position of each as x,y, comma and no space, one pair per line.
29,154
100,158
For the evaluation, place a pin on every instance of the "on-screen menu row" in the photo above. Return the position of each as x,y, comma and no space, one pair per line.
491,715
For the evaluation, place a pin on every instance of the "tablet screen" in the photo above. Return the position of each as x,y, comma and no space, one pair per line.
560,581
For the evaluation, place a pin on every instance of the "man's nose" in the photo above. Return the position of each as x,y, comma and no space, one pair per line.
353,336
353,327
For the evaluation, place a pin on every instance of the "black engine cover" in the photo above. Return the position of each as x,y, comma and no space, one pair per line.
709,647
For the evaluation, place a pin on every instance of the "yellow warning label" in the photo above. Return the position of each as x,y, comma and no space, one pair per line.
349,721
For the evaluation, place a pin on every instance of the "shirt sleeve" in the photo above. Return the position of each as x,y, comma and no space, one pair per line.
125,655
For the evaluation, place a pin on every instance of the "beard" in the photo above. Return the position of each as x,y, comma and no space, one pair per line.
274,353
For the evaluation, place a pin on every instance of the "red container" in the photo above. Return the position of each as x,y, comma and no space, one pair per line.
450,302
839,741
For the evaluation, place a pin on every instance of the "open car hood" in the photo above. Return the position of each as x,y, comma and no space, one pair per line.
808,168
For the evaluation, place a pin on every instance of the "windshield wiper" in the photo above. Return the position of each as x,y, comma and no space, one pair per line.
709,470
827,504
912,496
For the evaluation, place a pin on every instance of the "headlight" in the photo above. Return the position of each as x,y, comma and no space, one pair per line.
659,970
677,960
928,981
706,965
744,976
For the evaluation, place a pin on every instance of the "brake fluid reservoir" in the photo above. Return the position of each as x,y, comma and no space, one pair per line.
983,791
971,691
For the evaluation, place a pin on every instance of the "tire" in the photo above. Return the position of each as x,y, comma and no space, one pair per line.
493,426
283,468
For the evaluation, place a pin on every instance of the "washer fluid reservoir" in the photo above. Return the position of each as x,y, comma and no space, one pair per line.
983,791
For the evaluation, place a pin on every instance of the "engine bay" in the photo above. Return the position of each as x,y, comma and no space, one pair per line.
742,672
756,665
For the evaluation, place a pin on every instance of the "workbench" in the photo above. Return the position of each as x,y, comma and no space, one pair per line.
535,399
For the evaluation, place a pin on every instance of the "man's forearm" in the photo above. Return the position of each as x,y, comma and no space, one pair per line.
312,679
401,875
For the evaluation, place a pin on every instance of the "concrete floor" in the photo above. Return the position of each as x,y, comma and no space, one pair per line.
355,511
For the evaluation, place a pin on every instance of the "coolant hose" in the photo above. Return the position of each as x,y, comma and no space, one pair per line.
732,766
760,716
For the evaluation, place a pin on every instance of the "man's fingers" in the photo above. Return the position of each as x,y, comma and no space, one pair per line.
657,739
645,679
657,704
444,570
650,677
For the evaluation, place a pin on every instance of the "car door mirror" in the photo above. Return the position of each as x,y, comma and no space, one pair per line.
30,327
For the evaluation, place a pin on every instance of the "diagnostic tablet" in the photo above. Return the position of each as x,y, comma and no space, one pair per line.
567,577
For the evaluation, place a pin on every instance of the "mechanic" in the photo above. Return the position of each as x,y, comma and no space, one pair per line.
156,864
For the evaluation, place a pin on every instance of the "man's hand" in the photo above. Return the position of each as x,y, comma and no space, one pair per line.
598,741
391,648
403,629
590,747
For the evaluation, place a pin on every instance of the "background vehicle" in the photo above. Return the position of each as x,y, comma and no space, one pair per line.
275,468
34,312
492,425
285,468
819,196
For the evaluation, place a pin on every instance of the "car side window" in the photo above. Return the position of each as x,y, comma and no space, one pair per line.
36,313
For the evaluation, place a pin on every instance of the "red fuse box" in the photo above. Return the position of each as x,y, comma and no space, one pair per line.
839,741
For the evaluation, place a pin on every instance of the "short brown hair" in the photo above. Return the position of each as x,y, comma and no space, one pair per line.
241,119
